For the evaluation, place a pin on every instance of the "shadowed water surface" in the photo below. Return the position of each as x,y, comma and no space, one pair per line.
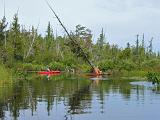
68,97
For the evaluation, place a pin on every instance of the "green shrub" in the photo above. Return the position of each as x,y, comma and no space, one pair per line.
4,74
150,63
28,67
126,65
84,67
153,77
57,66
106,65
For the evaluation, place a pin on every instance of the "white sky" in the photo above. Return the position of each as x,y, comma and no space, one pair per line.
121,19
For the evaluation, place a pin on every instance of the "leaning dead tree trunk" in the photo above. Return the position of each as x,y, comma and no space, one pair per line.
73,40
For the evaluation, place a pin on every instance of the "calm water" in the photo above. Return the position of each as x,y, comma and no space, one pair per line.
75,98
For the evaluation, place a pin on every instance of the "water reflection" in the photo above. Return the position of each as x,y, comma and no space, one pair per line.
78,98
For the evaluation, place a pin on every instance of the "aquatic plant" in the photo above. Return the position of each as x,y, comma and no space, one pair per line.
153,77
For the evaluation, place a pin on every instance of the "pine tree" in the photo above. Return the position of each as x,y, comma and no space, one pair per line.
16,39
101,39
49,31
143,46
137,45
3,26
49,36
150,47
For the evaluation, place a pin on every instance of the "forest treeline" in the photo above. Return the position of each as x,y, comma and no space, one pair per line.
24,49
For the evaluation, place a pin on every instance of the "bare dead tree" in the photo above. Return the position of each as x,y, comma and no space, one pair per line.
73,40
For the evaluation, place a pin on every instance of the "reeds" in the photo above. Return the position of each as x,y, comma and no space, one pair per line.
153,77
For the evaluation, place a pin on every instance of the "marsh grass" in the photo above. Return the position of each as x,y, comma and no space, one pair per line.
153,77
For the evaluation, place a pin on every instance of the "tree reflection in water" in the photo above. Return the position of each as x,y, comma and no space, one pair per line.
76,94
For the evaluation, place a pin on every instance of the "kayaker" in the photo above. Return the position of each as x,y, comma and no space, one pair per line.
48,69
97,71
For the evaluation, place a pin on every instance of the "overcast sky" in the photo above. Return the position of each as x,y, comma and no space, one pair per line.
121,19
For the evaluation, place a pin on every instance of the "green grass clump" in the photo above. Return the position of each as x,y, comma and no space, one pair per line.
153,77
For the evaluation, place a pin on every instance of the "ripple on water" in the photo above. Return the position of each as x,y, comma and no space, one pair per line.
142,83
99,78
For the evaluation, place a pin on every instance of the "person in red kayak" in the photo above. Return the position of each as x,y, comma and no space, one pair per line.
48,69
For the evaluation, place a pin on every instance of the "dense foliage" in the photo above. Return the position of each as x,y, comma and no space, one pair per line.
23,49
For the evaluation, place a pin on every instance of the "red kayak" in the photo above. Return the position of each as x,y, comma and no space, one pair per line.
49,72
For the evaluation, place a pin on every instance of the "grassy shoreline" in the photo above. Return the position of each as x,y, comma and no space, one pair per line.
21,69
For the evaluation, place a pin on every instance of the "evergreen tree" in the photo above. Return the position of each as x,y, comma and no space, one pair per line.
143,46
16,39
3,26
150,46
101,39
137,45
49,36
49,31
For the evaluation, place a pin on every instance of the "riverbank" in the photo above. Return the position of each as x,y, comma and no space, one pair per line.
20,70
